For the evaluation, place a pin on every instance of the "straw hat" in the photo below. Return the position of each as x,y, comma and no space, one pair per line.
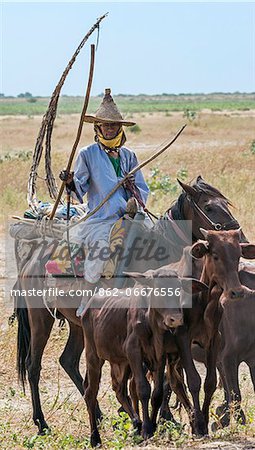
108,112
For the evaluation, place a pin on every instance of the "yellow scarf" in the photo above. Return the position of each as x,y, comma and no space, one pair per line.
110,143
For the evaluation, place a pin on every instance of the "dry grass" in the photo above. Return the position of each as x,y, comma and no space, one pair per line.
216,146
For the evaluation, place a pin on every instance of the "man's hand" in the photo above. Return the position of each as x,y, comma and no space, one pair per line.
66,177
129,181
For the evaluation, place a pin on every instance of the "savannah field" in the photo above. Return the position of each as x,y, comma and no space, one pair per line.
219,144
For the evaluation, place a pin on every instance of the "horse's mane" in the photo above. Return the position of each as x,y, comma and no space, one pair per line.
200,185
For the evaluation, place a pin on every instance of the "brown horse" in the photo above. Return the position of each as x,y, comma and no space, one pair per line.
199,203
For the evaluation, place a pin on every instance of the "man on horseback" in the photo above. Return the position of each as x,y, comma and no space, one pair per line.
98,168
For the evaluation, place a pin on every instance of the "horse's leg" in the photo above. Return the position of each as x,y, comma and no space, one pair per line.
71,355
41,324
91,387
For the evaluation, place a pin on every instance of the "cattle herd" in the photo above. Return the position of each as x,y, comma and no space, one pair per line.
135,339
151,345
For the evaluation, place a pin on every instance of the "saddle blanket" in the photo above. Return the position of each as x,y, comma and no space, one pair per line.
68,260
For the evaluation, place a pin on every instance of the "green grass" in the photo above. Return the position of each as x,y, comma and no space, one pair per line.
133,103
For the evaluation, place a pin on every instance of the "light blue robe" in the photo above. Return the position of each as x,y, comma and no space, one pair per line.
95,176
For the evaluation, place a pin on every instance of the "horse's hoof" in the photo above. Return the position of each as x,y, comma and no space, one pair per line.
121,410
44,431
200,429
43,427
95,439
147,431
137,424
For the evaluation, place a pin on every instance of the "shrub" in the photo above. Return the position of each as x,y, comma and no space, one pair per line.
253,147
135,129
190,115
164,183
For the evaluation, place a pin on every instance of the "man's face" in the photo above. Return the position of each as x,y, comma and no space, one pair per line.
109,130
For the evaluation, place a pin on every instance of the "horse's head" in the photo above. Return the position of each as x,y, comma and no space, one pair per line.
207,207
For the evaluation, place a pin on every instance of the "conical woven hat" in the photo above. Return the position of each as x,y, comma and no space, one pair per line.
108,112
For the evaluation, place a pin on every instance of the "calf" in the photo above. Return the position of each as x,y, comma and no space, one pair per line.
222,251
128,334
238,345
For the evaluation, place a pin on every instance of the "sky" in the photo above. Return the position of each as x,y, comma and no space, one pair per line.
146,47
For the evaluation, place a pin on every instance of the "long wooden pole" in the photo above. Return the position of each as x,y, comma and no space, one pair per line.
133,171
75,145
47,127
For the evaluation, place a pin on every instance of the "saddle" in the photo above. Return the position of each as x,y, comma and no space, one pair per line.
67,260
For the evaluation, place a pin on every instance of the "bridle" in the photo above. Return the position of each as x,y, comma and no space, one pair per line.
232,224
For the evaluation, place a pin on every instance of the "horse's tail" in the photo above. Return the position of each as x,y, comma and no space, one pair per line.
23,339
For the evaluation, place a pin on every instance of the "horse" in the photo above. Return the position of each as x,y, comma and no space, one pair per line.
202,204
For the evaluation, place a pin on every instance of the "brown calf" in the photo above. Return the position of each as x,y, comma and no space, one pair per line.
128,334
222,251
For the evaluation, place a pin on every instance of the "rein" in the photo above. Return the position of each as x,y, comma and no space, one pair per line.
134,190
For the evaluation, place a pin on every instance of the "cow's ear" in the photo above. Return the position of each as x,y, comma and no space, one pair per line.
187,188
193,286
248,250
199,249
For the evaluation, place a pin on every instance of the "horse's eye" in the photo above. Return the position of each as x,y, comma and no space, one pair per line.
208,208
215,257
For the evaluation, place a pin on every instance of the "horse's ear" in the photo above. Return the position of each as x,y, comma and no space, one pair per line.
187,188
199,178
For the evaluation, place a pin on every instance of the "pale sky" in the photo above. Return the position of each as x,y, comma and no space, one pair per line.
145,47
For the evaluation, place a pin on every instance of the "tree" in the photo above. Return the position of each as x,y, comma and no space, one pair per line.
26,95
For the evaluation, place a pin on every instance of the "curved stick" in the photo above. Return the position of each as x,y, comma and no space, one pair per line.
47,124
84,110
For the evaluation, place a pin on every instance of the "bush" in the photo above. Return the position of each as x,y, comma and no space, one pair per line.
164,183
190,115
135,129
253,147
